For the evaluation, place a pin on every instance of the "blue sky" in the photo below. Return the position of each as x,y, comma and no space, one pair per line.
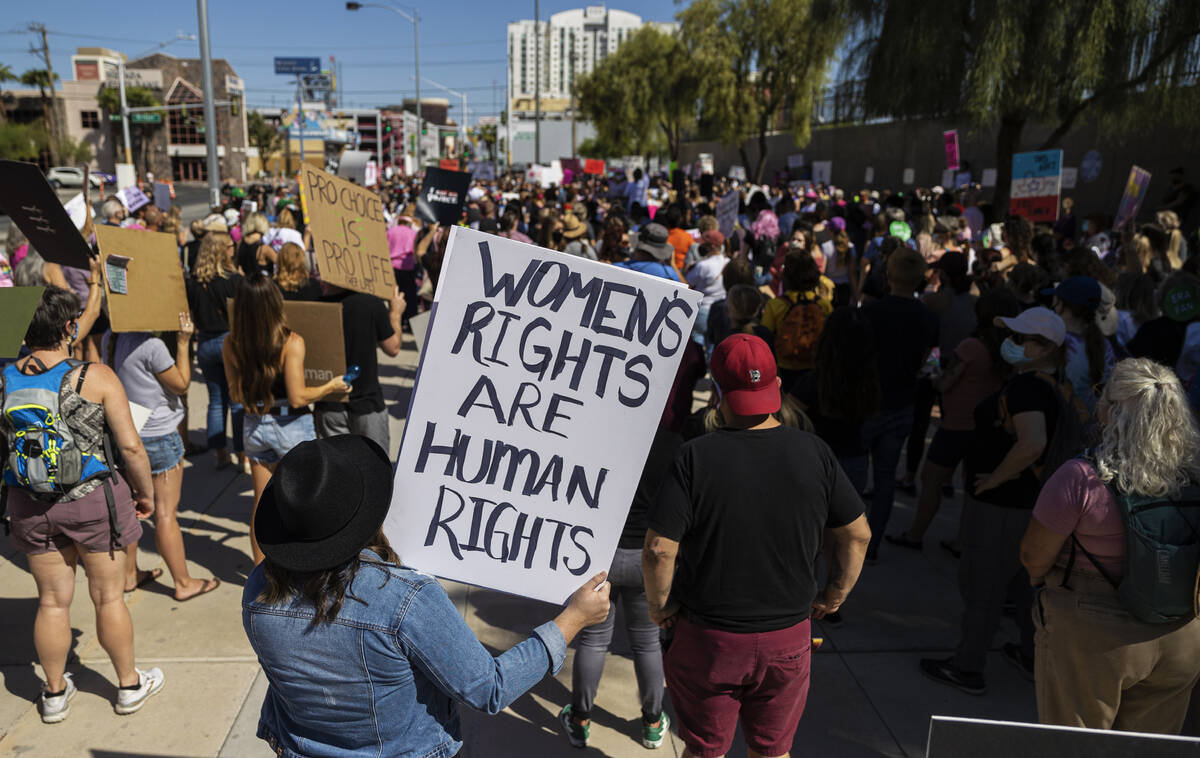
462,42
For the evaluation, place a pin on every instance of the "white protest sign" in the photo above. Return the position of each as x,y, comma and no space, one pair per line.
869,175
948,178
822,171
541,383
727,209
910,176
737,173
795,160
1070,176
989,177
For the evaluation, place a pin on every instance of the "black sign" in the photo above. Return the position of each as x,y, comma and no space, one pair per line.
31,203
706,185
442,196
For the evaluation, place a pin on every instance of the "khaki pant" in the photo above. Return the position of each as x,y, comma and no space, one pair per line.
1099,667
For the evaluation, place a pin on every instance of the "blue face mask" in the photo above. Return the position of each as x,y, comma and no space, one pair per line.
1013,353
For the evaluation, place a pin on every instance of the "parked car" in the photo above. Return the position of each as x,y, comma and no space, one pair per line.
70,176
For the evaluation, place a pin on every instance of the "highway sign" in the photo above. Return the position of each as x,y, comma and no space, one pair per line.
297,65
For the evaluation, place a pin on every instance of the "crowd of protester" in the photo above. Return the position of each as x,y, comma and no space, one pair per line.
1056,364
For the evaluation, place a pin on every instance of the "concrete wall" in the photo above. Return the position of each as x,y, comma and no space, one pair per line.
890,148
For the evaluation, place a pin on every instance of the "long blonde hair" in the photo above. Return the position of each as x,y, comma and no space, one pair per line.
212,260
1150,440
292,272
1169,221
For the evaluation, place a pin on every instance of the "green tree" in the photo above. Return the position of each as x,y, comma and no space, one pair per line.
21,142
72,153
643,97
6,75
487,135
109,100
1124,62
265,137
42,79
597,147
762,65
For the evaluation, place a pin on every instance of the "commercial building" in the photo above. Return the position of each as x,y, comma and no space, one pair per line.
573,43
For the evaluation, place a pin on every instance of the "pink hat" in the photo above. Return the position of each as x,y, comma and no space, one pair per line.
1042,322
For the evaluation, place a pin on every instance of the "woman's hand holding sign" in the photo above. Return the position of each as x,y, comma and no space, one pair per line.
588,605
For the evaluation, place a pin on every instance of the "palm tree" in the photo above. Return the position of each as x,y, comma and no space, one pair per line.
6,75
41,78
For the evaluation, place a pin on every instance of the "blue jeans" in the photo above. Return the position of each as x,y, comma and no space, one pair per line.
165,452
212,368
269,438
884,435
856,469
700,329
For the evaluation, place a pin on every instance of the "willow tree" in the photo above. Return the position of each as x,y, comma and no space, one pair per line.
1009,63
642,97
764,65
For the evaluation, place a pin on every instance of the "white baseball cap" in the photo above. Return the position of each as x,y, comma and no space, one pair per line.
1042,322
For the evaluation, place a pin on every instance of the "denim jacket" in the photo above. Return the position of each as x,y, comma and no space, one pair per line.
386,676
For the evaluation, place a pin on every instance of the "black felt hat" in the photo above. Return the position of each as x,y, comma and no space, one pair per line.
325,501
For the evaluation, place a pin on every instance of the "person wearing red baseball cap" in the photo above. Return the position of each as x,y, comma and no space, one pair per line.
746,547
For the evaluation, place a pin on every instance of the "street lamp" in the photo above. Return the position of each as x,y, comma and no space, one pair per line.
180,36
414,19
462,127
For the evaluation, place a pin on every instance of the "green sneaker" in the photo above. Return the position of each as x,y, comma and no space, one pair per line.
652,736
577,734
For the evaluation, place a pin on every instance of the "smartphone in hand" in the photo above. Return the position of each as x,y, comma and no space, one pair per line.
352,373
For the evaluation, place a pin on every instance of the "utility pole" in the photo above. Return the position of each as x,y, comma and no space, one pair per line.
51,113
537,84
574,57
300,120
124,112
495,134
210,110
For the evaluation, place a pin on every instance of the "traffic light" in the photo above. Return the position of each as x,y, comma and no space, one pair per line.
387,128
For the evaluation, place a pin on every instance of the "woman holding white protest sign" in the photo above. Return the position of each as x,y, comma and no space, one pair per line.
264,366
364,656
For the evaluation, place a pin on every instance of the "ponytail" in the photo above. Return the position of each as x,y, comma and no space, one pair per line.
1094,344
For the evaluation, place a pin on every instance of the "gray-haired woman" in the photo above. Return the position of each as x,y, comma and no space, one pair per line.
1097,665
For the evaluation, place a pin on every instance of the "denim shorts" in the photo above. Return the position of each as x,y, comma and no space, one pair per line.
268,438
165,452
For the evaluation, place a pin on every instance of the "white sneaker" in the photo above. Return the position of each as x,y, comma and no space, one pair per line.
55,709
130,701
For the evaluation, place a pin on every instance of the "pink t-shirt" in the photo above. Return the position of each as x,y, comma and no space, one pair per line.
1074,500
400,244
977,381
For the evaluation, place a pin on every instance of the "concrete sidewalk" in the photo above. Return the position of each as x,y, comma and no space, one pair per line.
867,699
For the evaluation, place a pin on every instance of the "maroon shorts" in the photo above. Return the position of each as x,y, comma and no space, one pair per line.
715,676
39,527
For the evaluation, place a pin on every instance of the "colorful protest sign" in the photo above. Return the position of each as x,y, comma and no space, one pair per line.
448,164
1036,185
541,383
1131,200
149,274
17,305
442,196
33,206
706,163
574,165
349,233
132,198
950,140
593,166
482,171
727,210
737,173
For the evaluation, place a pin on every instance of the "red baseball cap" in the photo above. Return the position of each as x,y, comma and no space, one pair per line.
744,370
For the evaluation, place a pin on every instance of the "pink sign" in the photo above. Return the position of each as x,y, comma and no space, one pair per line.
951,140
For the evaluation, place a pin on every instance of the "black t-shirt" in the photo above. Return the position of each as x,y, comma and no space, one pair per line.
658,467
905,330
209,303
843,437
308,292
192,251
749,509
1160,340
365,324
1024,393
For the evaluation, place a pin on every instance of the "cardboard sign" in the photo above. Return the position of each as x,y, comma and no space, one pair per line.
593,166
162,196
33,206
1036,184
349,233
1131,200
541,384
442,196
727,210
950,140
982,738
154,294
17,305
320,324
